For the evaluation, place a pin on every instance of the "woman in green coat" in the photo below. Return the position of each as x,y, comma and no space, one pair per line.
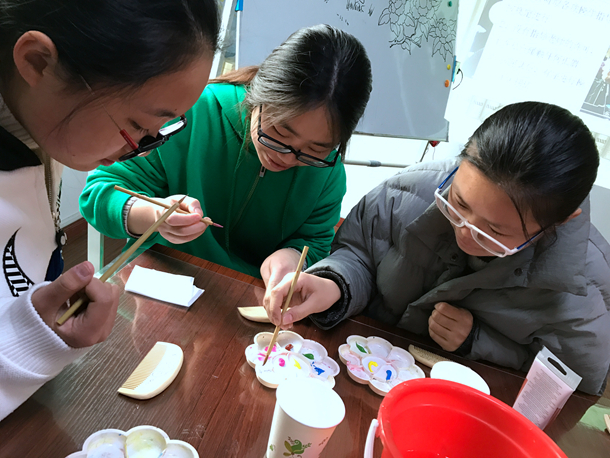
261,155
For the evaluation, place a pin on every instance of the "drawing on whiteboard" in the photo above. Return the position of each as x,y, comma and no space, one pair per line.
359,6
404,81
411,22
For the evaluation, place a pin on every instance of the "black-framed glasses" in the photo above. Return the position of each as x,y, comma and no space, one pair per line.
148,142
282,148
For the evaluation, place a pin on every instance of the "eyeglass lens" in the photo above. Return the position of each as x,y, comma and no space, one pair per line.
148,142
458,220
304,158
276,145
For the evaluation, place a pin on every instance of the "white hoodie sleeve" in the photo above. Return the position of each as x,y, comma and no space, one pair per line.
30,352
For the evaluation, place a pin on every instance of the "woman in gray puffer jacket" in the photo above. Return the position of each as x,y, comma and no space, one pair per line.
492,255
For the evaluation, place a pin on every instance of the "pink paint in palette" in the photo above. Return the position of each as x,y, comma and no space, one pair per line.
376,362
262,354
291,358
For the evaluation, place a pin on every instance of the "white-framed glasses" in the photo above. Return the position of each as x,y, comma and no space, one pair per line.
485,240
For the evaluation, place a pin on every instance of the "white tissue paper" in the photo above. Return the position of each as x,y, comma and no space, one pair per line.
163,286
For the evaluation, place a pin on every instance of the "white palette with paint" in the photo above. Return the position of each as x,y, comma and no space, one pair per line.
140,442
376,362
292,357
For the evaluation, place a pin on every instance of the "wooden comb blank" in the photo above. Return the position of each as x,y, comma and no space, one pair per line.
155,372
145,368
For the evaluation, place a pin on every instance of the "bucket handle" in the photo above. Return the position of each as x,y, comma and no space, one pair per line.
370,439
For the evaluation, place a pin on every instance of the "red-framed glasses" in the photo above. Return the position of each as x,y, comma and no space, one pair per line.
148,142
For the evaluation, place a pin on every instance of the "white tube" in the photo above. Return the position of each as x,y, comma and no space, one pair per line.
546,389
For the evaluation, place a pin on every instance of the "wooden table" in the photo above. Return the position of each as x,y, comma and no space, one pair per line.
216,402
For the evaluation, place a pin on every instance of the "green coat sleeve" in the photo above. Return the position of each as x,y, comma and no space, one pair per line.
318,231
102,206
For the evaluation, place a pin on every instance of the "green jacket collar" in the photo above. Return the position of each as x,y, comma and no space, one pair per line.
230,98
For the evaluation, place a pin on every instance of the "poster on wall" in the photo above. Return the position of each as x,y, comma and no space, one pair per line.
555,51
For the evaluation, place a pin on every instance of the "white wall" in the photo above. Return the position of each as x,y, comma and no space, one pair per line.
73,183
361,179
600,216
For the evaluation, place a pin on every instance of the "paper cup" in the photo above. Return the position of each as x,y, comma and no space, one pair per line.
307,411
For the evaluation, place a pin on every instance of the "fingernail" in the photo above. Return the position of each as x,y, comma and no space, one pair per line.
83,271
287,318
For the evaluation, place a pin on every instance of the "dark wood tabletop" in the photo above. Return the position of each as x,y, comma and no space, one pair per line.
216,402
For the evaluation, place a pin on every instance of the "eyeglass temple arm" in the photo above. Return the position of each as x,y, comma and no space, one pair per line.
128,139
447,179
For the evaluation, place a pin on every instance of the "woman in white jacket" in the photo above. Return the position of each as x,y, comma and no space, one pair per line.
82,84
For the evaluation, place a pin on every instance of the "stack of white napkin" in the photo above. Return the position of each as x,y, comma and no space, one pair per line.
163,286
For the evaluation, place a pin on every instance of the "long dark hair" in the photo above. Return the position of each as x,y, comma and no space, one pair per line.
316,66
112,43
541,155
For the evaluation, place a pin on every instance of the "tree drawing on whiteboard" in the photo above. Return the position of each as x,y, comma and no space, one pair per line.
412,21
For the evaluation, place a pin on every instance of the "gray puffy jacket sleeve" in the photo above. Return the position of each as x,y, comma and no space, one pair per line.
362,242
351,264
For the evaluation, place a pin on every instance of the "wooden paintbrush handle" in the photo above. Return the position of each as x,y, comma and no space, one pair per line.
295,279
205,219
112,269
287,303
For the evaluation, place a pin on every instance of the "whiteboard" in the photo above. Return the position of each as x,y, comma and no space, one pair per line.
410,43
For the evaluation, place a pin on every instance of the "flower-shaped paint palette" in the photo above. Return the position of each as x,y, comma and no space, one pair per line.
376,362
139,442
291,357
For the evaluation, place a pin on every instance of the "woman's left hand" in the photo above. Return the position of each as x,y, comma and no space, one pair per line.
449,326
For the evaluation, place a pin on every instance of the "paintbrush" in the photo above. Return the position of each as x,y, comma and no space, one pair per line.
74,307
205,219
287,303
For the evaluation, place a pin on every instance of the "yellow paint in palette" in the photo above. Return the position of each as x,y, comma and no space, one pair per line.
372,365
146,443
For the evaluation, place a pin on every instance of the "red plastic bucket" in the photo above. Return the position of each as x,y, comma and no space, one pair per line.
430,418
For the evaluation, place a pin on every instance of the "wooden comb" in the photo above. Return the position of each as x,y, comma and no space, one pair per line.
155,372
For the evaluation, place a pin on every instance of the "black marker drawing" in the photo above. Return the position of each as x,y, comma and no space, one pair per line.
411,22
